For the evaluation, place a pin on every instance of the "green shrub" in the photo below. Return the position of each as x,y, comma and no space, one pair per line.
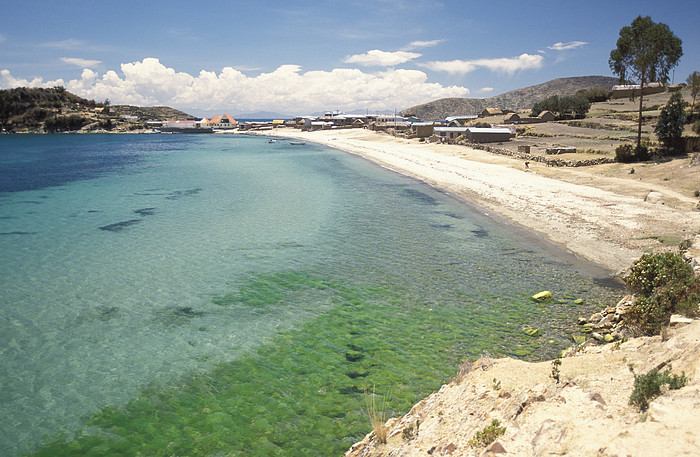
696,127
594,94
488,435
667,285
652,271
648,386
626,153
669,128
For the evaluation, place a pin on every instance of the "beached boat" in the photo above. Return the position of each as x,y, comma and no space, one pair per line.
297,143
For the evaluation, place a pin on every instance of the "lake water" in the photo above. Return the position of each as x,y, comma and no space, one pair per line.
222,295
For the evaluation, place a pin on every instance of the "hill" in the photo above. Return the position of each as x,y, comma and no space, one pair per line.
55,109
514,100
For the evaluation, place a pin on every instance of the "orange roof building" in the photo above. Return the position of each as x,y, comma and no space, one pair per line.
223,122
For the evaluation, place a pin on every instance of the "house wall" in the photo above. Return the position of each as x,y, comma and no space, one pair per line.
479,137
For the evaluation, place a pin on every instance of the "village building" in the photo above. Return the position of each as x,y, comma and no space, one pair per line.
511,118
458,121
223,122
489,134
422,129
546,116
188,126
634,90
491,112
450,133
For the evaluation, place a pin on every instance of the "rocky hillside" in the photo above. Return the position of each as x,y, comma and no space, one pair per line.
150,113
55,109
514,100
586,412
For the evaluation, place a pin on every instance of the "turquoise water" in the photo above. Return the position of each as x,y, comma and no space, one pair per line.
266,284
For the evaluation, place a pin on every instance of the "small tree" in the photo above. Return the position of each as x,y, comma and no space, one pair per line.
669,128
645,52
694,84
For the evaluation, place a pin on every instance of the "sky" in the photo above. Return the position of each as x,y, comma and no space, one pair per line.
297,57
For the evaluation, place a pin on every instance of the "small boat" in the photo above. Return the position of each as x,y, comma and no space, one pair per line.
298,143
272,140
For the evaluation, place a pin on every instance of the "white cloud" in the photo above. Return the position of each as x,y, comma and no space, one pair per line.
65,44
2,38
82,63
506,65
287,89
422,44
377,58
566,46
486,89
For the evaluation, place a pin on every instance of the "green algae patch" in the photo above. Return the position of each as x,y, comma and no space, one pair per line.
302,393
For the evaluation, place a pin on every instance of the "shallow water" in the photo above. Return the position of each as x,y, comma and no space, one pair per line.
193,295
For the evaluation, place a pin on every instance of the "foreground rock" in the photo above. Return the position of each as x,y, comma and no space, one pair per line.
587,413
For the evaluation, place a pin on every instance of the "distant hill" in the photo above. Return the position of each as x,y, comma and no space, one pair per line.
514,100
150,113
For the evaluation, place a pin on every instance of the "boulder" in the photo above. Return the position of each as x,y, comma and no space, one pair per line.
543,296
677,319
655,198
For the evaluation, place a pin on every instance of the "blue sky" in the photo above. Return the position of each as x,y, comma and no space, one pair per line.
299,57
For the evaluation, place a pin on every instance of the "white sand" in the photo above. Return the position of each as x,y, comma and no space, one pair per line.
599,225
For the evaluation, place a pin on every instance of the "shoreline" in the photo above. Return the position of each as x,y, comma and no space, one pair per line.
609,228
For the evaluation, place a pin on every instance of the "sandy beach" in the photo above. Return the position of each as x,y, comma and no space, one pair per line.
610,221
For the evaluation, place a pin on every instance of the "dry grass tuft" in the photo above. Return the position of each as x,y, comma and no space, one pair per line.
377,413
464,369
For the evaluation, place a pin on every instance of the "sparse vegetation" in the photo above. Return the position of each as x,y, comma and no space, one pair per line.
649,386
556,363
488,435
496,384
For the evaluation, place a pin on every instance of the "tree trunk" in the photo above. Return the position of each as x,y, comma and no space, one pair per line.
639,126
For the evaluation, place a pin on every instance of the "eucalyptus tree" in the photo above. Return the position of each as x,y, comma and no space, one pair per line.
694,84
645,52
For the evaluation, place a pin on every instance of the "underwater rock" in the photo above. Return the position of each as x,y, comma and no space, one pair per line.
119,226
534,332
183,193
543,296
357,374
187,311
419,196
145,211
354,356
